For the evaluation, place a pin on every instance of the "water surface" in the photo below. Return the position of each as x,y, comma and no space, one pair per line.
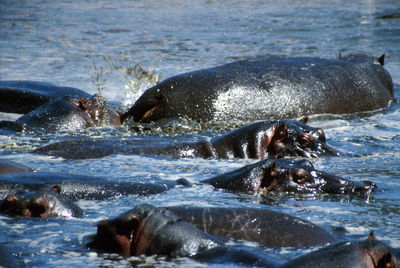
122,47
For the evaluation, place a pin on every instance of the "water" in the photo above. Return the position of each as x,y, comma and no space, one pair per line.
95,46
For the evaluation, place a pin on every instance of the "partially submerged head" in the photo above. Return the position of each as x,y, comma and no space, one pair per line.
149,230
68,113
117,235
44,203
274,139
283,175
97,111
302,177
294,138
366,253
124,235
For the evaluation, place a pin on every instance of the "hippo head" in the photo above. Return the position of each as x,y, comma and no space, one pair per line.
294,138
97,111
117,235
132,233
273,139
45,203
68,113
283,175
151,105
301,177
149,230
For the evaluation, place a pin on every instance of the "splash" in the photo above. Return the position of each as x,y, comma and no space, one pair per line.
137,81
114,74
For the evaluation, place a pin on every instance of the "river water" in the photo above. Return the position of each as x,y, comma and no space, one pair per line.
122,47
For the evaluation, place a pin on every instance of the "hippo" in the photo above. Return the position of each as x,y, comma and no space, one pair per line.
369,253
272,138
149,230
266,227
25,96
75,187
269,88
66,113
8,167
44,203
285,175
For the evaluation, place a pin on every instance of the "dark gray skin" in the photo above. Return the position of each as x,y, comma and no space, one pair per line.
25,96
66,113
269,88
75,187
8,166
149,230
44,203
273,139
267,227
369,253
281,175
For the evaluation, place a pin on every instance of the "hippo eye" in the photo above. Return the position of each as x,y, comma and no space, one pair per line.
306,139
300,176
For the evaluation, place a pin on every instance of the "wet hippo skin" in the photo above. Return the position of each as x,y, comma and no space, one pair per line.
284,175
269,88
267,227
74,187
25,96
8,166
66,113
259,140
369,253
44,203
149,230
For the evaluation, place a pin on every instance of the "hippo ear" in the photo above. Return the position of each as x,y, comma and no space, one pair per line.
381,59
56,188
371,236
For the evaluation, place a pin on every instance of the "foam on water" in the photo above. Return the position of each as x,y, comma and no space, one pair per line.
122,47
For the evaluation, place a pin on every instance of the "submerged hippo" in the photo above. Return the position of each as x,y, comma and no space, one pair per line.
44,203
25,96
269,88
66,113
74,187
282,175
149,230
369,253
267,227
258,140
8,166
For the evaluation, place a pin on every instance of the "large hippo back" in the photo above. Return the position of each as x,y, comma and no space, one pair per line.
269,88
